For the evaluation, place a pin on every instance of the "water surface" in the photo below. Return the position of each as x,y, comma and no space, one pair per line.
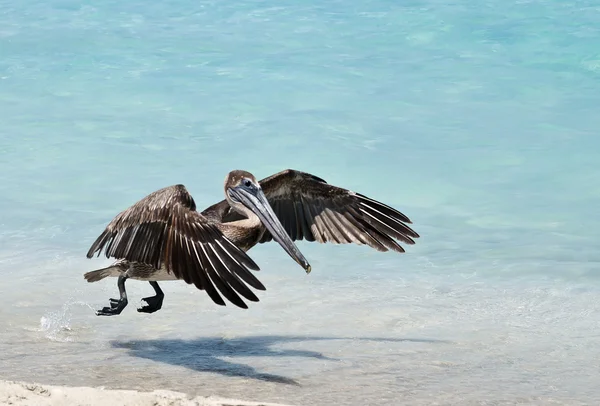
478,120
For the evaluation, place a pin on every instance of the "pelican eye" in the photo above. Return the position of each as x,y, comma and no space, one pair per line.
247,182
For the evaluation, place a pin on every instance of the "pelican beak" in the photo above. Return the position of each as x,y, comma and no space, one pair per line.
254,198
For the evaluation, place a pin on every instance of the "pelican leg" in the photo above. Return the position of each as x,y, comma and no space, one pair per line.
154,303
116,306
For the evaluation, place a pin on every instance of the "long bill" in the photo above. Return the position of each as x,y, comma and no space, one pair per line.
256,201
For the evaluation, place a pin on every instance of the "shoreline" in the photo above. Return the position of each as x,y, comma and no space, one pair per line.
26,393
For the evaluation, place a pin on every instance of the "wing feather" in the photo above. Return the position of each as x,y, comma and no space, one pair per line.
164,230
311,209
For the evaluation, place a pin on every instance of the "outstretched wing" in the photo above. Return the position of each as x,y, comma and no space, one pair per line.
164,229
311,209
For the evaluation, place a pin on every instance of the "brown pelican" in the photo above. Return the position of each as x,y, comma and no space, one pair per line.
163,237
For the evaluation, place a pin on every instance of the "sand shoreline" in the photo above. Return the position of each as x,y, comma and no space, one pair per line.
25,393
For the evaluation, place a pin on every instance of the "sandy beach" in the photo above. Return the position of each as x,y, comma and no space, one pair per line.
23,393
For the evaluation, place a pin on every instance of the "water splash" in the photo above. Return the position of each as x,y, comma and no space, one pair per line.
56,325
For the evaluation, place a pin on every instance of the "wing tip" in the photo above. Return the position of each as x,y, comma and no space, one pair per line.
252,265
90,254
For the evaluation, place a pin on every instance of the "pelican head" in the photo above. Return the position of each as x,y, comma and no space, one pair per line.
244,194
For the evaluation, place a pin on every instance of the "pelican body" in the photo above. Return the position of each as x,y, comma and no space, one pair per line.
162,236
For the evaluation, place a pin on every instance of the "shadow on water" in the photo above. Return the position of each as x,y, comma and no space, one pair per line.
202,354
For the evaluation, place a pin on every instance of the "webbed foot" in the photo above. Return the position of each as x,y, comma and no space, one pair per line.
116,307
154,303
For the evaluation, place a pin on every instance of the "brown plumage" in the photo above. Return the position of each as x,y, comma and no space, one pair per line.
208,249
313,210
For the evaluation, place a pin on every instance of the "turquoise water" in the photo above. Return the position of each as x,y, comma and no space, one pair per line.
478,120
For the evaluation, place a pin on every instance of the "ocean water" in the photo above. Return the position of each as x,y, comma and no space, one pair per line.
478,120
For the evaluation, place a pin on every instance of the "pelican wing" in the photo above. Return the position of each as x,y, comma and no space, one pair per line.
311,209
164,229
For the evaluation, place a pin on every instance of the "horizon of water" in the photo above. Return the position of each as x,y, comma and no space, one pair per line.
476,120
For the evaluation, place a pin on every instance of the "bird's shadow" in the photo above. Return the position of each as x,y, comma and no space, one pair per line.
203,354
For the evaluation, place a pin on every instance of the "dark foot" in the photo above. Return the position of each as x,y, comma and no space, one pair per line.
154,303
116,307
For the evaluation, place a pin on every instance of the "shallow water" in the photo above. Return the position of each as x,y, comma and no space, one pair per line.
477,120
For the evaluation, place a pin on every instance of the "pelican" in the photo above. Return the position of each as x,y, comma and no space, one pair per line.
162,236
